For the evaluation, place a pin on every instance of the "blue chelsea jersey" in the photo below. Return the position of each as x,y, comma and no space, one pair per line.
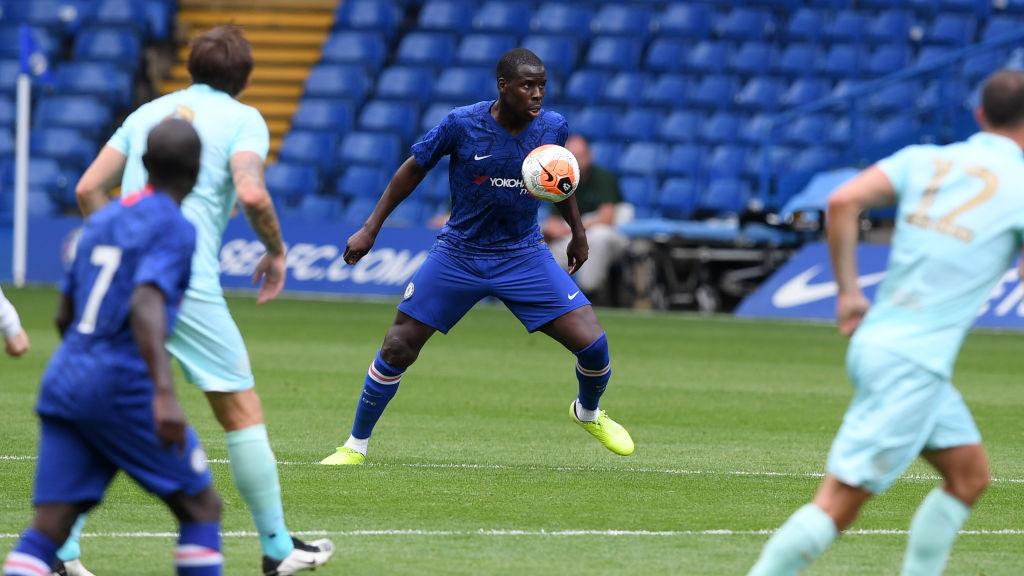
143,239
491,212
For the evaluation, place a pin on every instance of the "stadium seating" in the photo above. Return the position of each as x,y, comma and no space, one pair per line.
291,182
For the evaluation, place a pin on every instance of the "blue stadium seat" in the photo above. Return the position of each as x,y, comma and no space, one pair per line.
679,126
9,70
125,14
558,19
805,130
446,15
464,85
559,54
646,158
362,182
503,17
840,133
407,214
952,30
65,145
667,55
321,209
342,82
433,116
622,19
713,92
370,149
932,54
842,61
605,153
426,49
8,113
400,118
894,98
708,57
890,27
684,160
811,160
158,19
333,116
979,8
379,15
40,203
406,83
685,20
888,136
720,128
639,191
745,24
586,86
880,5
485,49
615,53
977,67
6,143
727,161
750,58
84,113
777,158
100,79
57,16
805,25
309,148
358,210
625,88
723,196
797,60
44,177
10,42
756,129
637,124
846,26
844,88
1001,26
666,90
677,198
595,122
122,48
355,47
761,93
888,58
290,182
804,91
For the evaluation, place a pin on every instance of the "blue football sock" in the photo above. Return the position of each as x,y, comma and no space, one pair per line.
71,549
380,386
255,472
932,533
32,556
800,541
593,370
198,551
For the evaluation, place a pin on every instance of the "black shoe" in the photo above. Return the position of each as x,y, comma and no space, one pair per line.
305,556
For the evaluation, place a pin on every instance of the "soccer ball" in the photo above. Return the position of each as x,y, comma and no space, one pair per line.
550,173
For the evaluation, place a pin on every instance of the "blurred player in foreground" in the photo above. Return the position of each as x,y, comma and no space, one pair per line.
959,227
107,400
15,339
491,246
206,341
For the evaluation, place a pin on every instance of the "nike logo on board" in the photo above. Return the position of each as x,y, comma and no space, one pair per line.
799,290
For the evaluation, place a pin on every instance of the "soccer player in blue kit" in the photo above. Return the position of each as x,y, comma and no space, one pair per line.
107,400
491,246
959,226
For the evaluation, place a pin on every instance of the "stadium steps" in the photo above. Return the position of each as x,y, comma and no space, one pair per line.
286,37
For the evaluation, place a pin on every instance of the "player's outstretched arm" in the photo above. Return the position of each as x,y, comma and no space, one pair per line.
406,179
577,251
149,327
102,176
247,173
15,338
871,188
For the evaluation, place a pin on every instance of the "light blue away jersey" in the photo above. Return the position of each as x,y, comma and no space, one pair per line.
225,127
959,224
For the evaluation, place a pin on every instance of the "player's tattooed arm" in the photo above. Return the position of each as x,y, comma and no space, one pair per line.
577,251
247,173
99,180
149,327
406,179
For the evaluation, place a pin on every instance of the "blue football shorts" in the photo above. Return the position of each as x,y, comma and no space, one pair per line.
531,285
899,409
78,458
209,347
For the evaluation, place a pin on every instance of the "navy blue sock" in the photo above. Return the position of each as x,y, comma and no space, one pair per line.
593,370
34,554
379,388
198,551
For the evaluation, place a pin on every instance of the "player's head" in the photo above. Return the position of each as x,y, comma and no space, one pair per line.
172,157
222,59
521,83
580,148
1002,102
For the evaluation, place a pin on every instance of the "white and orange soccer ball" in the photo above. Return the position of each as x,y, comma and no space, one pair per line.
550,173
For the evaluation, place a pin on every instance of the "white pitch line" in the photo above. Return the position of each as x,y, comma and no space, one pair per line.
668,471
501,532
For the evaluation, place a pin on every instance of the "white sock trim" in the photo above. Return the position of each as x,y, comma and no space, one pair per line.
584,415
357,444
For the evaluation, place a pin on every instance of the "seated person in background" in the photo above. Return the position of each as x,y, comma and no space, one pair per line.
597,196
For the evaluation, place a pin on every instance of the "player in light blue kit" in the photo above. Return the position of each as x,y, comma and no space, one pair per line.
491,246
107,400
206,341
959,227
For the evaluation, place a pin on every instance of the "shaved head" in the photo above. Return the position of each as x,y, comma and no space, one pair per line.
172,156
1002,99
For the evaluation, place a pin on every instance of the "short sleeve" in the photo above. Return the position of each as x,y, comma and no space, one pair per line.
898,167
121,140
563,132
437,143
167,262
252,136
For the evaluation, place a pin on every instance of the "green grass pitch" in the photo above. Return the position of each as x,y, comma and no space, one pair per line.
476,468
